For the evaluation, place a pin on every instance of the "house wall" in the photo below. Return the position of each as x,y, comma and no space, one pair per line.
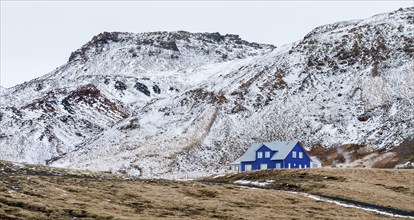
294,162
278,161
316,164
243,165
235,167
256,164
270,164
263,160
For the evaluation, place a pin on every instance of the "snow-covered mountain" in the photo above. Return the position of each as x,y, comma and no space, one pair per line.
175,104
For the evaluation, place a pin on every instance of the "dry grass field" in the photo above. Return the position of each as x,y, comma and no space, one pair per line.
385,187
35,192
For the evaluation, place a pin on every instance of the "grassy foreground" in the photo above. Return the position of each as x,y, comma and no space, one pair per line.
386,187
35,192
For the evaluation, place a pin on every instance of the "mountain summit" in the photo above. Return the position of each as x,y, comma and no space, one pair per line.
175,104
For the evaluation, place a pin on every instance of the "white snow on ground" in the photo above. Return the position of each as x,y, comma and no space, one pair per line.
317,198
218,175
182,105
254,183
406,165
354,206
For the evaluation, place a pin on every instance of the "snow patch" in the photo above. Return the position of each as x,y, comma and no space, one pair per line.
254,183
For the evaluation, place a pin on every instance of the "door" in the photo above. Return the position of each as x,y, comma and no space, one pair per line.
247,167
300,166
277,165
263,166
288,165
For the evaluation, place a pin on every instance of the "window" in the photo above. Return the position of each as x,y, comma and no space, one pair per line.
259,154
277,165
300,154
247,167
293,154
267,154
263,166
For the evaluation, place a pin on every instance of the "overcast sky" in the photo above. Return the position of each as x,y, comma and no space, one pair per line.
38,36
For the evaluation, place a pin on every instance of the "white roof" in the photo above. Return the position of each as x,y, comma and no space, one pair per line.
236,162
282,149
315,159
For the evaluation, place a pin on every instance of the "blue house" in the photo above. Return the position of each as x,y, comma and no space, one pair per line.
271,155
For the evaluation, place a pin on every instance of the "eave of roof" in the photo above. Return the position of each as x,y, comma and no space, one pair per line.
282,149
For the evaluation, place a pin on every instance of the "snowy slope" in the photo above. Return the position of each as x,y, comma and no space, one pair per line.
178,104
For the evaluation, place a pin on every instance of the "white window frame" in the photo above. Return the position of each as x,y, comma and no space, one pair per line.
263,166
247,167
300,154
259,154
267,154
293,154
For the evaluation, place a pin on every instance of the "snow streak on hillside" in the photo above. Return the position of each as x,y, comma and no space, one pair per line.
175,104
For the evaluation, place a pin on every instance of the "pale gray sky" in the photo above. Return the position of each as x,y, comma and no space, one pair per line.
38,36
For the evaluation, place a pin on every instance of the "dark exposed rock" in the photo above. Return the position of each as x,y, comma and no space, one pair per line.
97,43
156,89
120,86
173,89
363,117
47,103
83,93
374,70
106,37
238,108
147,42
142,88
174,56
133,52
48,133
234,37
159,41
39,87
214,36
67,106
169,45
154,52
201,95
90,95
